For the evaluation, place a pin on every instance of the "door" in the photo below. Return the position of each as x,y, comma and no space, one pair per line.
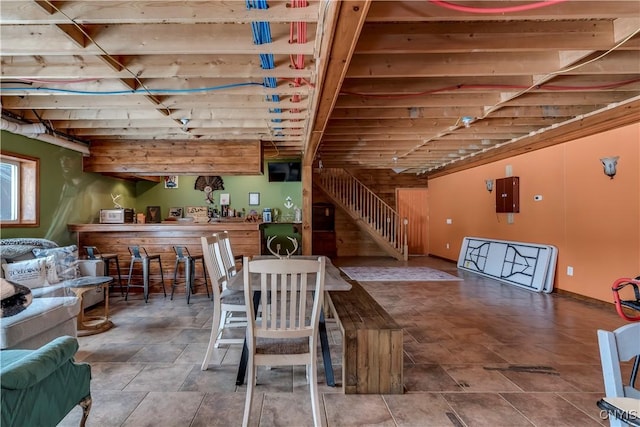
413,204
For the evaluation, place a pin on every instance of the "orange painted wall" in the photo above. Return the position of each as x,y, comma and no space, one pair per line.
594,221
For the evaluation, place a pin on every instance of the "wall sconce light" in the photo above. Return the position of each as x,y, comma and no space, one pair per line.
489,184
466,121
609,164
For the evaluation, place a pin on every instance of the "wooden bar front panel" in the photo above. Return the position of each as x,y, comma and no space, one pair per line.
160,238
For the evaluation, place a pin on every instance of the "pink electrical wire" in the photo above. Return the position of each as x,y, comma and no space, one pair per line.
521,8
297,34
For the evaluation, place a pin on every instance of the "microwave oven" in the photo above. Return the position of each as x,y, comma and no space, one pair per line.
116,216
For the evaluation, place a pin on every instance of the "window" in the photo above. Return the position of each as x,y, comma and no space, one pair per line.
18,190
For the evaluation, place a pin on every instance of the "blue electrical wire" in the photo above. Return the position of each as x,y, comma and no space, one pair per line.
257,4
136,91
261,33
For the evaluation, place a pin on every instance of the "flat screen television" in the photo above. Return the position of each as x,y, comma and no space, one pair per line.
284,171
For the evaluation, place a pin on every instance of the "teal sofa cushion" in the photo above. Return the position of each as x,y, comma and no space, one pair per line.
39,387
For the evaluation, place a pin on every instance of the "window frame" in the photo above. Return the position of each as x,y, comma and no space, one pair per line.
29,191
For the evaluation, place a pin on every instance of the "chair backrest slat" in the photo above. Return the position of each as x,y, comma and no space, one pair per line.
226,253
287,286
212,264
621,345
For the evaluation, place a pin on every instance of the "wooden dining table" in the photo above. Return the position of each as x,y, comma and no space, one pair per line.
333,281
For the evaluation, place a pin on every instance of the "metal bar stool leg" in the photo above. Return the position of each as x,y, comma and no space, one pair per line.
119,275
175,277
188,277
145,278
133,260
162,276
107,269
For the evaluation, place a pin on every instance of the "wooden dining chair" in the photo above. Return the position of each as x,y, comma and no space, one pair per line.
227,303
617,348
286,333
228,258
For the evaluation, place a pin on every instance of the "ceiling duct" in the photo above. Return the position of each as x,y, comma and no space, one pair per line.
39,131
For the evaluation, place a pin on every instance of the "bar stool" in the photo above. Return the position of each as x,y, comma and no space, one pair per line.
144,259
93,253
184,257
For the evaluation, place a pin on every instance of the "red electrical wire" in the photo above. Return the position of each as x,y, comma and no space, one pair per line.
521,8
297,34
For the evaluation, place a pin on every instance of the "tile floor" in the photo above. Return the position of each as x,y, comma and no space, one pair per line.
477,353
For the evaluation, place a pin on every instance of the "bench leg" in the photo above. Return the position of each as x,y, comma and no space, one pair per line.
326,353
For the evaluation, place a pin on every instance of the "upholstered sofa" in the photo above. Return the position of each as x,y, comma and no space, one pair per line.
44,267
39,387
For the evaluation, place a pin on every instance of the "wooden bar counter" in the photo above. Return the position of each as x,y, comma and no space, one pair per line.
160,238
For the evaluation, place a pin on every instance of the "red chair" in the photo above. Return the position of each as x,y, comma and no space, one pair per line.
633,304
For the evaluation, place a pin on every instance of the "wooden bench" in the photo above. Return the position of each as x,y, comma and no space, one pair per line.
372,356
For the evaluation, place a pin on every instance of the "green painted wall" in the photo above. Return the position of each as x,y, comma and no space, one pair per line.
272,194
67,195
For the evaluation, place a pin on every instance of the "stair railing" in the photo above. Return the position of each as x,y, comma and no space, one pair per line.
364,204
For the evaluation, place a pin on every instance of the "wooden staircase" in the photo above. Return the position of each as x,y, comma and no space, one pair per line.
370,212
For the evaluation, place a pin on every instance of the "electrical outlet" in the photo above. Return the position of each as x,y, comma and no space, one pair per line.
449,221
447,246
569,271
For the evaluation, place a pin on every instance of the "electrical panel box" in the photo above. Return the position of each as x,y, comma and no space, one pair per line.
508,195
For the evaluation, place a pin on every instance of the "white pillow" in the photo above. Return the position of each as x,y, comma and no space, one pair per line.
31,273
66,260
50,268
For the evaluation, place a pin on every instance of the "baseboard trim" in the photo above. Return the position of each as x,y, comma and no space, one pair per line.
455,261
584,298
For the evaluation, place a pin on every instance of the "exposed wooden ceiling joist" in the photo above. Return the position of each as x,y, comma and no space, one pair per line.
355,82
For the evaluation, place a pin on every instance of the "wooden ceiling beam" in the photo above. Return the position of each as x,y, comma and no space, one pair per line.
127,12
7,9
493,64
350,19
427,136
175,158
355,125
164,87
373,134
570,98
150,66
518,36
195,138
157,123
139,101
600,122
222,133
150,114
423,86
422,11
433,100
167,39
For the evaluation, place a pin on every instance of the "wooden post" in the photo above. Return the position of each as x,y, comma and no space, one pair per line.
405,229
